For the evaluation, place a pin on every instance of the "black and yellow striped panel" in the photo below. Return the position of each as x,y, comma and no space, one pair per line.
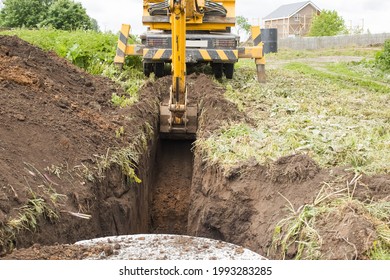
251,52
193,55
122,44
157,54
256,35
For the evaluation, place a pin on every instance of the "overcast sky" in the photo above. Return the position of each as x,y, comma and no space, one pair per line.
372,14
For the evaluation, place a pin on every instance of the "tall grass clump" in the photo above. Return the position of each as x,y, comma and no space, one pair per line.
383,57
302,230
28,218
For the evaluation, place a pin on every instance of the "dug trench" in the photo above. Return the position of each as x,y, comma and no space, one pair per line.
172,185
74,167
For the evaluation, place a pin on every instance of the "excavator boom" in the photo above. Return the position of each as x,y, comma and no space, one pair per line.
177,118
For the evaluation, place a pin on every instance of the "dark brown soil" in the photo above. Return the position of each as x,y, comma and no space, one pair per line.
57,252
171,200
57,124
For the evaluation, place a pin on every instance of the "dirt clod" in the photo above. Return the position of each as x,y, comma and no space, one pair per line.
293,168
108,250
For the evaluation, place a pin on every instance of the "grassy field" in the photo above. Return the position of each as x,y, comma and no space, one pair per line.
335,112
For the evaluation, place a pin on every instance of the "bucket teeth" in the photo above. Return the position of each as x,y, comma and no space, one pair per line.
180,126
179,120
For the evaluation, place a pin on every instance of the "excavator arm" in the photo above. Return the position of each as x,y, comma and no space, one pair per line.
178,22
177,118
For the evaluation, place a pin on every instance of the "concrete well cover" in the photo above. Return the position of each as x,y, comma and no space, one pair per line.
168,247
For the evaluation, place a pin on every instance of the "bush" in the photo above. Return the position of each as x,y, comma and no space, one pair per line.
60,14
383,57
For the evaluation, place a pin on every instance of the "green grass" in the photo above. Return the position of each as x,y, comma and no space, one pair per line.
341,76
379,252
284,54
80,47
233,143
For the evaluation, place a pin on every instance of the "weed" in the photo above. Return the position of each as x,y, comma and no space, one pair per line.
298,230
119,132
382,58
28,219
55,170
86,173
379,251
121,101
127,159
149,130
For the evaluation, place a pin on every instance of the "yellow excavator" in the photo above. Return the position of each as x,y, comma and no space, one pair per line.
182,32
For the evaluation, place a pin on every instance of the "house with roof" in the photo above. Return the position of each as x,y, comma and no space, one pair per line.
292,19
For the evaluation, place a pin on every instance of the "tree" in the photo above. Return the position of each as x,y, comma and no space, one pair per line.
328,23
59,14
23,13
242,23
68,15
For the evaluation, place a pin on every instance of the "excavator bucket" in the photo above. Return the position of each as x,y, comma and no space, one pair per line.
184,131
178,120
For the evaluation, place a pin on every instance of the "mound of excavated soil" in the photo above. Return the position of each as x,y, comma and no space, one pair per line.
58,130
56,124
